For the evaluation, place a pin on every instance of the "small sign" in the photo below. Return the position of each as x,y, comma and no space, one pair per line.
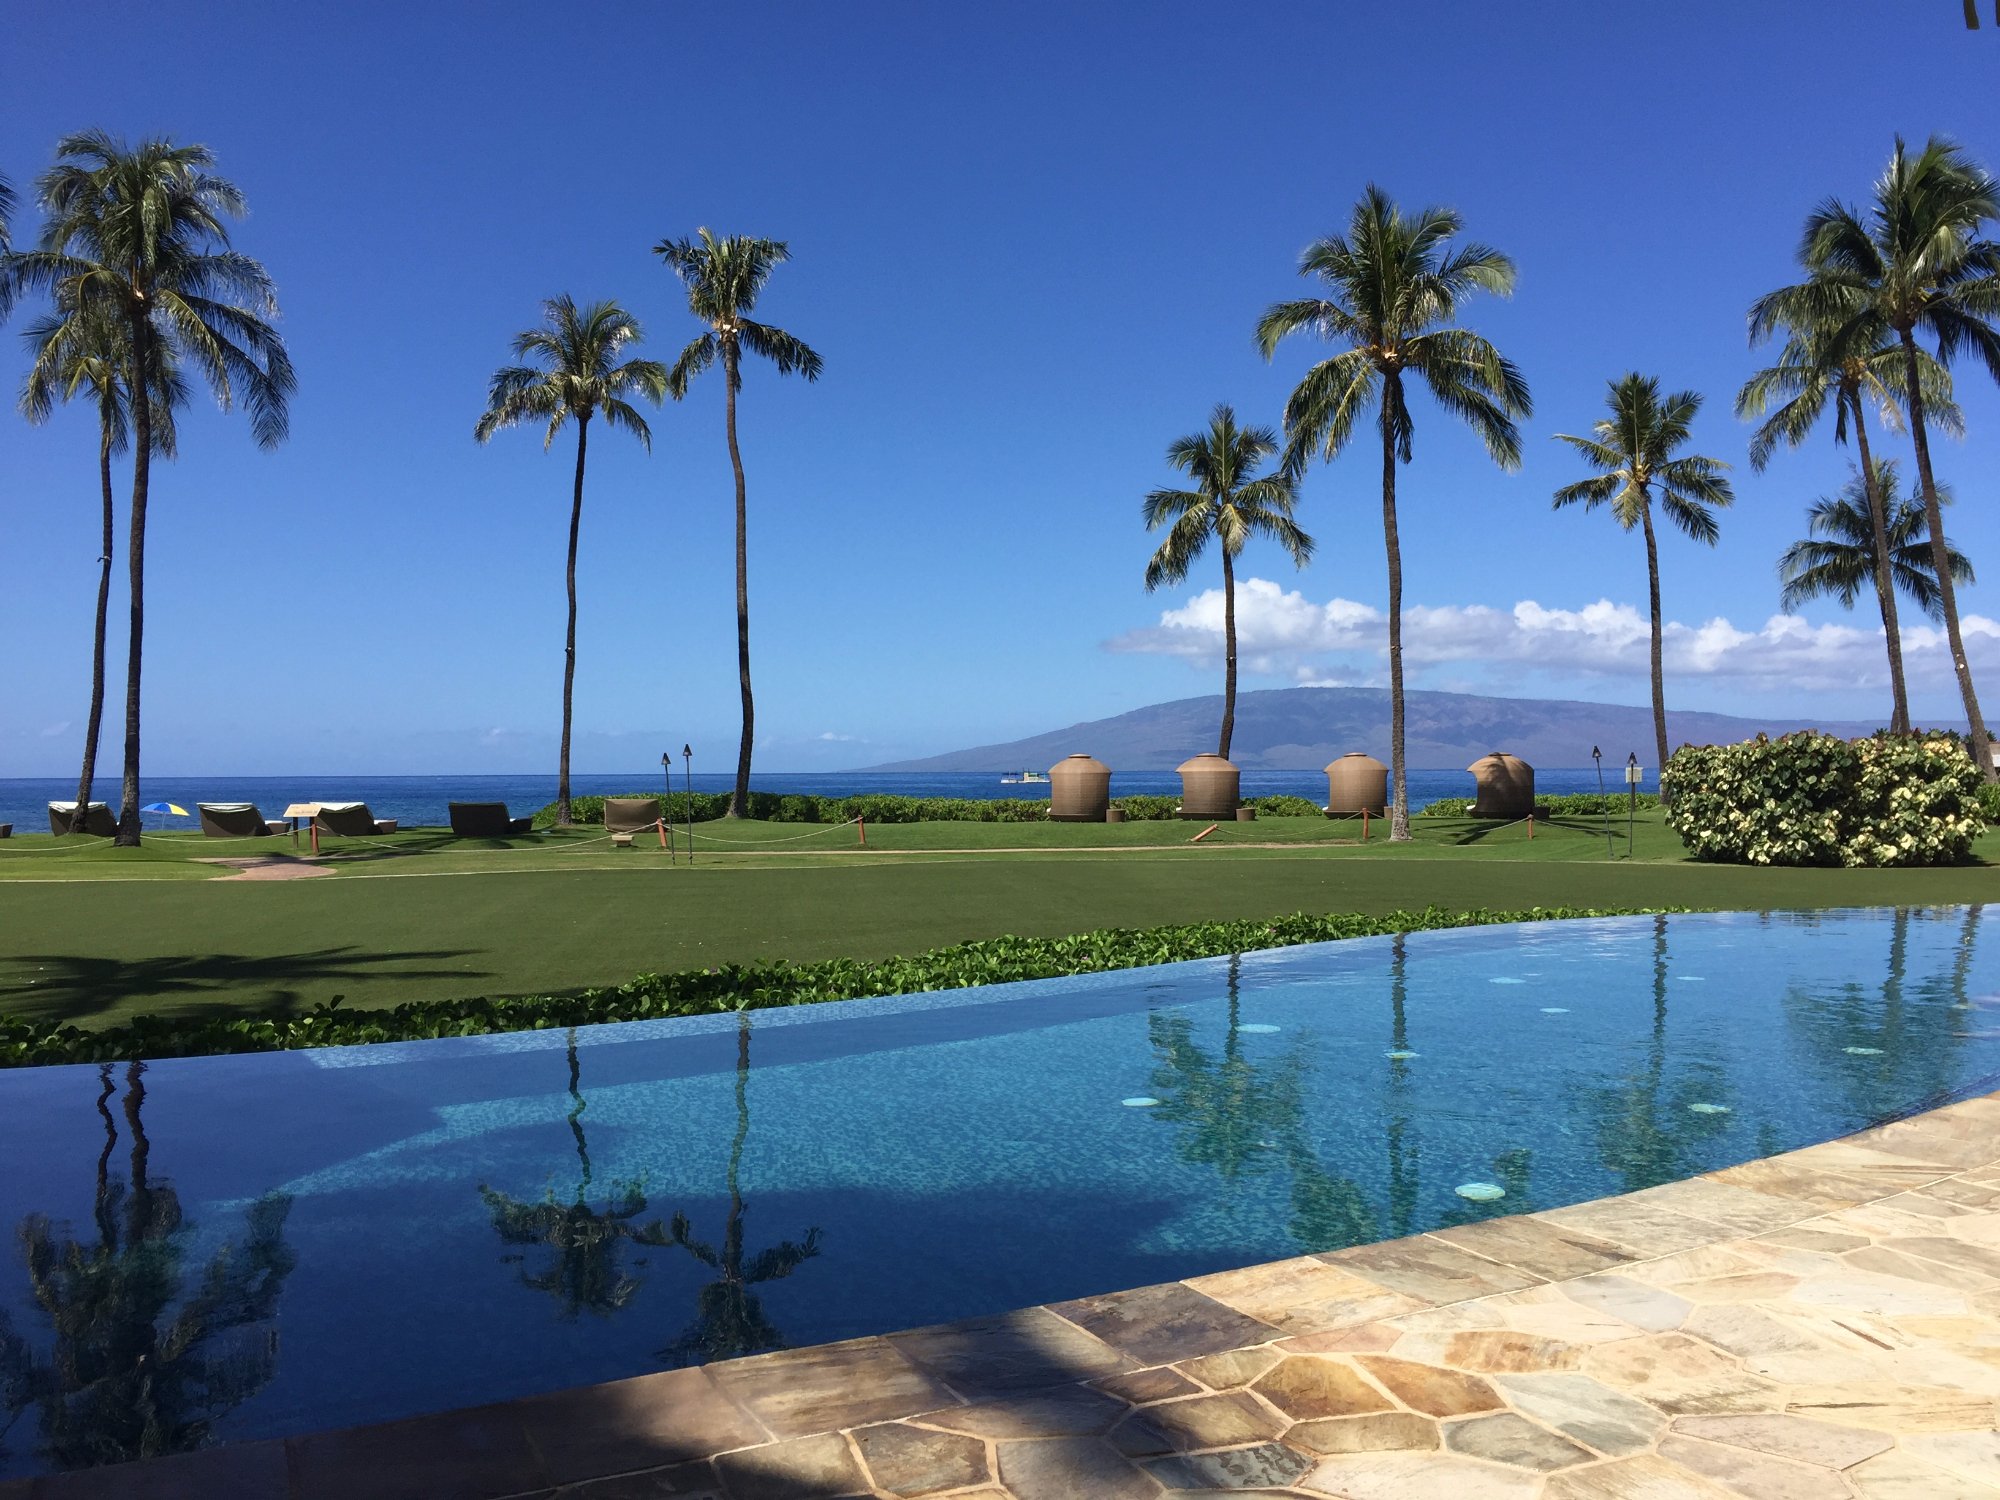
302,810
1634,775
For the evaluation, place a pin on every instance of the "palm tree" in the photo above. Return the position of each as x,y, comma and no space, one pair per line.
1914,262
1227,503
723,278
139,234
1635,449
76,356
6,215
1839,553
1809,370
1391,282
576,375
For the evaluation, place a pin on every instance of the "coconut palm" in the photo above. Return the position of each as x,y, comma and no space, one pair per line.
1916,262
723,278
1812,370
1636,449
1392,286
1838,556
139,235
576,375
82,356
6,213
1230,504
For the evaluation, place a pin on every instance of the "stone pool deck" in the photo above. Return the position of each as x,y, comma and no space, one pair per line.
1815,1325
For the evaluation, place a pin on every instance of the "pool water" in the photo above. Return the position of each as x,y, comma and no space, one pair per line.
297,1241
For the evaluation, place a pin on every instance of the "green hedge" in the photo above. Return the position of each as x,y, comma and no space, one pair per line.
734,987
1813,799
1569,805
794,807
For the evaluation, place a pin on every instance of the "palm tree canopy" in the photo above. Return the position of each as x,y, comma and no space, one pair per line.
1915,259
1634,449
143,233
1834,350
576,373
1390,282
84,355
723,277
1837,558
6,212
1228,501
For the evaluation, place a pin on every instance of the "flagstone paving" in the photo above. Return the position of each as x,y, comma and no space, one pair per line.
1815,1325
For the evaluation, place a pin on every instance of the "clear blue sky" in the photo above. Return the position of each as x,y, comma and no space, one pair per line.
1031,242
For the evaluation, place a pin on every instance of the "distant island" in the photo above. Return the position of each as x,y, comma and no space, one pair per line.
1301,729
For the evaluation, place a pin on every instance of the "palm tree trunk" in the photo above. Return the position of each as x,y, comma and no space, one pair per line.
88,777
1659,678
135,564
1982,746
1399,796
739,797
1885,588
1229,651
569,641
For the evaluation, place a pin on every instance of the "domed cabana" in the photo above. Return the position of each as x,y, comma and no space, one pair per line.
1503,786
1079,790
1356,783
1211,787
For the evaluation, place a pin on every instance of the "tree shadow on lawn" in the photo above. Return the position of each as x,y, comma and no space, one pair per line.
82,988
1482,829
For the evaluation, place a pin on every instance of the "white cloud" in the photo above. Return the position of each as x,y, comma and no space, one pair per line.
840,739
55,731
1280,632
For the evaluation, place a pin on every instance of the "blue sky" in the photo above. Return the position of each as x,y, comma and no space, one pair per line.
1030,242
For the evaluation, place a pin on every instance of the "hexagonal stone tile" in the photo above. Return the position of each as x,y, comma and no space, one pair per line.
1140,1386
1505,1438
1195,1422
1237,1469
1491,1353
1372,1432
1586,1410
1646,1477
1429,1389
1073,1411
1900,1476
916,1461
1065,1468
1303,1296
1746,1473
797,1469
1784,1436
1307,1385
1972,1455
1679,1375
1235,1367
1417,1476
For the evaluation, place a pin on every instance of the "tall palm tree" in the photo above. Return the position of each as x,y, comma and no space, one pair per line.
140,234
1916,261
1230,504
1636,448
1812,369
1839,552
83,356
6,215
576,375
1391,284
723,278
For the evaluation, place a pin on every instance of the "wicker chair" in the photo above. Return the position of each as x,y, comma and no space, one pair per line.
630,814
235,820
351,820
97,819
486,820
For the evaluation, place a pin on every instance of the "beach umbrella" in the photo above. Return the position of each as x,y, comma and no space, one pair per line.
165,807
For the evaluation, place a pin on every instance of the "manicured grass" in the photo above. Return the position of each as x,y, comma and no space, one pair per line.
102,934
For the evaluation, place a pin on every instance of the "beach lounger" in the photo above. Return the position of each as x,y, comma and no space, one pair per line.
486,820
350,820
97,819
630,814
236,820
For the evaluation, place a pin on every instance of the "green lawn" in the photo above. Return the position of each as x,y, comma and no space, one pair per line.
99,934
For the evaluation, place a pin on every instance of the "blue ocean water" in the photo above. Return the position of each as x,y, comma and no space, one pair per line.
299,1241
419,801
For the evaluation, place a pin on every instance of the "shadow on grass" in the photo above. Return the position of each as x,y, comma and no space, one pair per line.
82,988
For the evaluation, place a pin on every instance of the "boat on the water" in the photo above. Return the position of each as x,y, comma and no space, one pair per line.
1021,778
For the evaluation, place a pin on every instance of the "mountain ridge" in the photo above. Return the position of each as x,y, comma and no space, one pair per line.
1297,729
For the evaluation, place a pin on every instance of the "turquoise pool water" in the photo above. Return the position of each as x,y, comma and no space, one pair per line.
298,1241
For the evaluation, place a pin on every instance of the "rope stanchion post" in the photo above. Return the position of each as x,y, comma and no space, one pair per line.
1531,828
1364,825
861,824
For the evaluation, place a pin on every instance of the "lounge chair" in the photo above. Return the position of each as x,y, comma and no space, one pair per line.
630,814
350,820
486,820
97,819
236,820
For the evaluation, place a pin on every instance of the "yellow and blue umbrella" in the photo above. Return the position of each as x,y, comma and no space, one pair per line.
165,807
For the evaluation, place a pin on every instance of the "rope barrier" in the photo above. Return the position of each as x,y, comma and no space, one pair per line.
761,843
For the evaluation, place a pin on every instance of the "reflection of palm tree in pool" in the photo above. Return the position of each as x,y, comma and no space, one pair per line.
1648,1129
730,1320
1405,1154
585,1241
1245,1119
143,1360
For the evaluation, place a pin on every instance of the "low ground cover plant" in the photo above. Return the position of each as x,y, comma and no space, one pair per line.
732,987
1815,799
795,807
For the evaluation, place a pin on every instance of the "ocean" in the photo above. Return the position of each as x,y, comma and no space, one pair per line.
420,800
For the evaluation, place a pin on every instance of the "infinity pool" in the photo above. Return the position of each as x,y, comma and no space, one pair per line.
297,1241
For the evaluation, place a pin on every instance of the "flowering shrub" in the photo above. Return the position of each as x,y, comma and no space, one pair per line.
1812,799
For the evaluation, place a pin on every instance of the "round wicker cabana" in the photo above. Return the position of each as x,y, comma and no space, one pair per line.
1079,790
1211,787
1356,783
1503,786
